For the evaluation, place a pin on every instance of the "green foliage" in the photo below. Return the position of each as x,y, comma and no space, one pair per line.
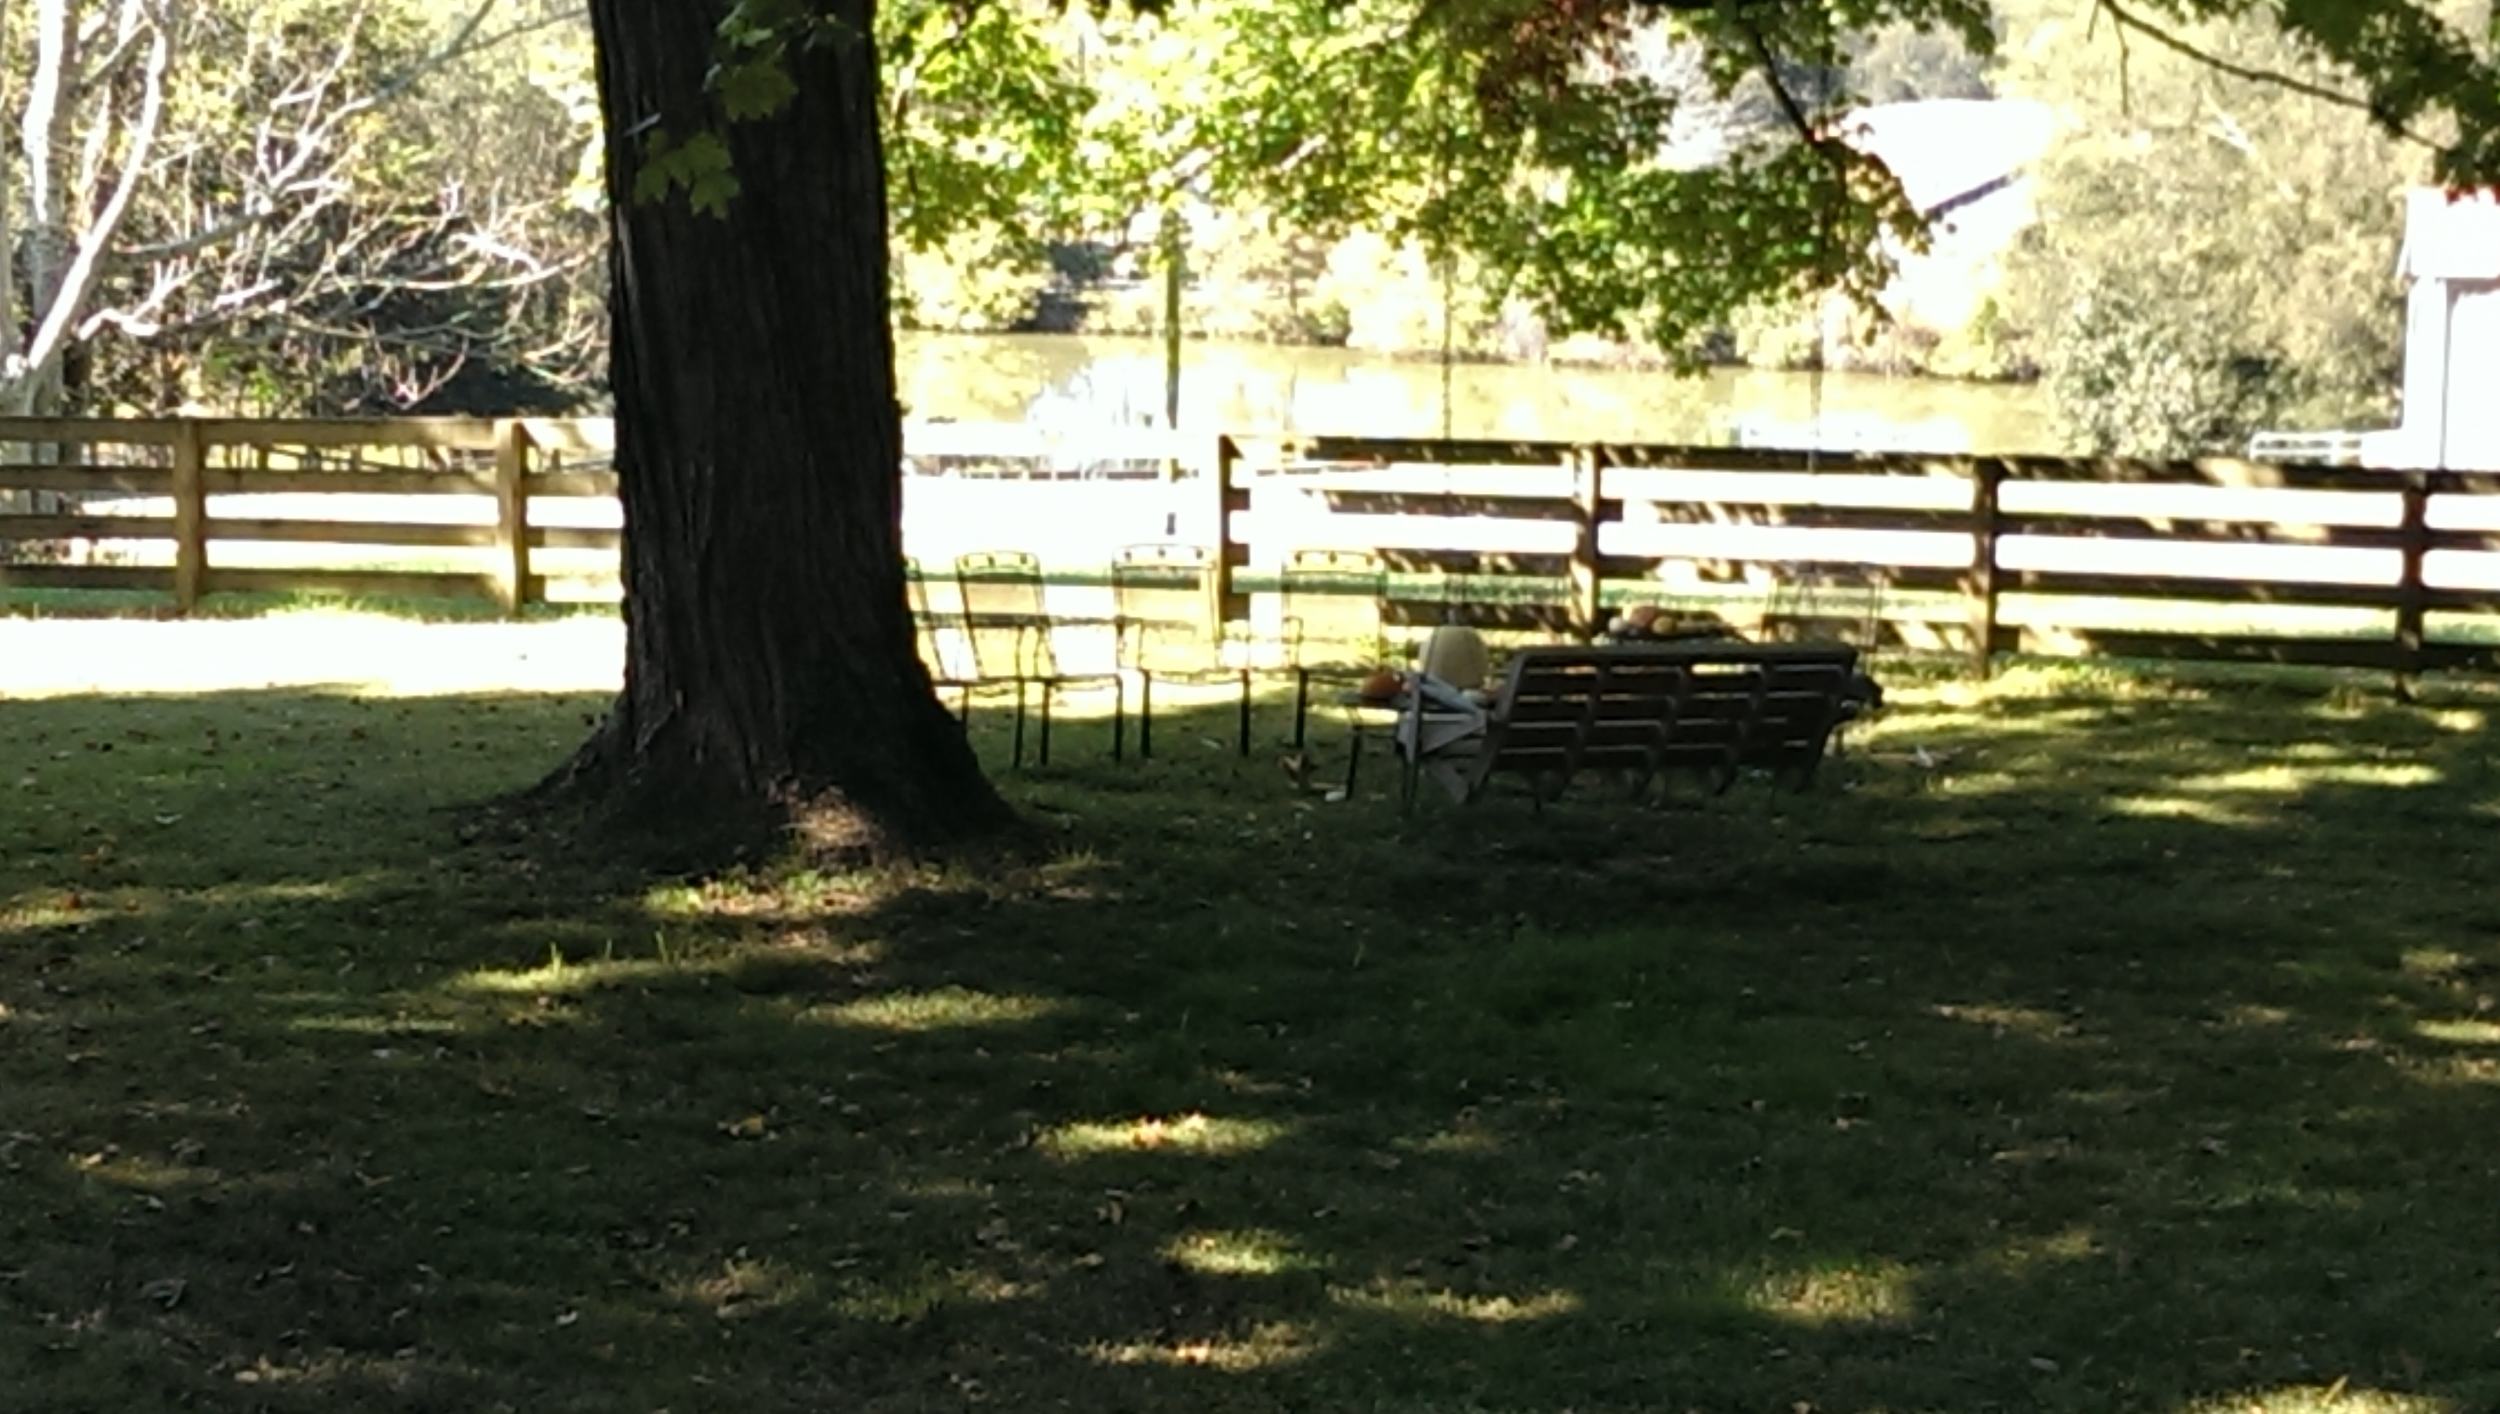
2139,367
699,165
2213,258
981,278
1607,167
342,217
983,109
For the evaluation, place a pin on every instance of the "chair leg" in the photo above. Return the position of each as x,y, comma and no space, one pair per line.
1353,758
1301,705
1145,715
1019,748
1049,690
1119,717
1245,714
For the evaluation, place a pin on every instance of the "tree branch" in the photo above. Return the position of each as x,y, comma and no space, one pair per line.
2127,19
78,280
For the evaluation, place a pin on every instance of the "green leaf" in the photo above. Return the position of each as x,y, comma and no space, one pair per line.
700,166
753,88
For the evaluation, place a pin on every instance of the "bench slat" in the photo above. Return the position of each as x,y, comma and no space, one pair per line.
1648,708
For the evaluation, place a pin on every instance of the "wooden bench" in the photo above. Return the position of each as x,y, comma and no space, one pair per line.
1642,710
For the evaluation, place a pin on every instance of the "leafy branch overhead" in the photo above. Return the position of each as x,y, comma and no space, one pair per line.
1553,144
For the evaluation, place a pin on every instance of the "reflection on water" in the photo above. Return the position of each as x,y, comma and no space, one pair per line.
1254,388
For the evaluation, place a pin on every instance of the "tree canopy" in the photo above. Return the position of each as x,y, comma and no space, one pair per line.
345,205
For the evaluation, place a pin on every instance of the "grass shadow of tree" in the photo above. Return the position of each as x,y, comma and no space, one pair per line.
1951,1085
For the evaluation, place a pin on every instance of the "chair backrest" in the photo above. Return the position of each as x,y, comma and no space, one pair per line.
1333,608
1160,595
1004,619
1650,708
1826,602
924,623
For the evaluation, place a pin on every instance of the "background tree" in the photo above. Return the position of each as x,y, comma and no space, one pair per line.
2214,256
296,205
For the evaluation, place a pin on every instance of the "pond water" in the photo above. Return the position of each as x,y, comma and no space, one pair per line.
1060,380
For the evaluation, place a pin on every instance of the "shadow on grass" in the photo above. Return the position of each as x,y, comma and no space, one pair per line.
2085,1042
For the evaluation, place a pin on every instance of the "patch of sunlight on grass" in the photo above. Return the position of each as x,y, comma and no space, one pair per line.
2023,681
2251,1017
2434,964
916,1296
338,1369
1263,1347
2029,1022
2170,807
2463,721
1415,1301
2290,779
1975,783
1238,1252
2453,1070
1830,1296
2336,1398
946,1009
1191,1133
745,1286
561,976
375,655
1466,1139
57,909
749,896
2027,1257
2460,1032
139,1171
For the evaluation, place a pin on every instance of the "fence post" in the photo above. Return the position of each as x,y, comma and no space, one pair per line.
1987,482
190,515
2411,593
512,514
1588,509
1224,600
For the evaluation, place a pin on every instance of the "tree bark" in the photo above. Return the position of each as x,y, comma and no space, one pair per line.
771,675
9,342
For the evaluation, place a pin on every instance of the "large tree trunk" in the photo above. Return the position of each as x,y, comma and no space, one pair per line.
770,674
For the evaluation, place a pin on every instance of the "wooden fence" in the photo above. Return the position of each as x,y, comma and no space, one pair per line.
516,510
150,489
2216,559
2221,559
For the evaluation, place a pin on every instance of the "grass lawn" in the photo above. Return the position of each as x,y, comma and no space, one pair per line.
2086,1042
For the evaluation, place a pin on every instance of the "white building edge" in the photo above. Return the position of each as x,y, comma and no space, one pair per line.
2451,407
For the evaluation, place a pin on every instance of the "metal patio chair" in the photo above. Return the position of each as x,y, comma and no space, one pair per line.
1167,630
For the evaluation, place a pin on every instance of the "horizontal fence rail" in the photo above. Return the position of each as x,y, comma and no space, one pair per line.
403,507
2226,558
2220,559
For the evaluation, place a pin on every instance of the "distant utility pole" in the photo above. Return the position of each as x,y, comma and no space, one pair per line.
1174,272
